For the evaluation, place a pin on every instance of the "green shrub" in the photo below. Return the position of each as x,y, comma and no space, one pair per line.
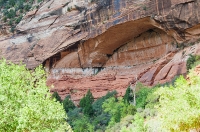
57,97
117,109
5,19
86,103
10,22
190,61
12,29
101,121
125,122
11,14
114,109
83,125
11,2
178,108
68,9
97,105
128,96
74,115
25,101
68,104
141,97
18,19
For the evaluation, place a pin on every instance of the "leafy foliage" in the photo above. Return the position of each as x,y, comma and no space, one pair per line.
186,114
141,96
25,101
68,104
86,103
125,122
56,96
97,105
83,125
157,109
101,121
127,97
192,61
98,120
74,115
117,109
113,108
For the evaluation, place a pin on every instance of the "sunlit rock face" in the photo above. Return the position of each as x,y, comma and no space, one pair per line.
105,44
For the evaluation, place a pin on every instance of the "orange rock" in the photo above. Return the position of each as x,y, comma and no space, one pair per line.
103,46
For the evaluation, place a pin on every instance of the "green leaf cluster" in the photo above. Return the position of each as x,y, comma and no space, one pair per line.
156,109
86,103
192,61
128,95
184,116
68,104
117,109
56,96
82,119
25,101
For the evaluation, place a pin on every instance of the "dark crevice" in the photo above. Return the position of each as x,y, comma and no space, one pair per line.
187,2
80,61
34,14
51,3
66,47
53,22
156,72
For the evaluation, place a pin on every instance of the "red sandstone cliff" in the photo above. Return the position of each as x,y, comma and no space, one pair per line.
105,44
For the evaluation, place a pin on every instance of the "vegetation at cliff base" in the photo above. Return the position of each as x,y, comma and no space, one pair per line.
26,103
156,109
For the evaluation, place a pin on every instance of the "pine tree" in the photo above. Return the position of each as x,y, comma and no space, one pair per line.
127,98
68,104
56,96
86,103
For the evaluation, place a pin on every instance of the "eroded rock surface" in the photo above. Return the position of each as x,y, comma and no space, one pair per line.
105,44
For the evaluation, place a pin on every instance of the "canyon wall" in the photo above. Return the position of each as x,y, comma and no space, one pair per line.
104,45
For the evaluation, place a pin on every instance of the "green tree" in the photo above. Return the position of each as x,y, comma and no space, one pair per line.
83,125
97,105
190,61
114,109
68,104
127,97
179,105
141,97
26,103
86,103
56,96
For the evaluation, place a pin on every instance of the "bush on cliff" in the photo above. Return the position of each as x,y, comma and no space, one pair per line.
25,101
192,61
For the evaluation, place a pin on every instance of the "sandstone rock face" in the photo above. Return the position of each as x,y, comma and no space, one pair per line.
105,44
